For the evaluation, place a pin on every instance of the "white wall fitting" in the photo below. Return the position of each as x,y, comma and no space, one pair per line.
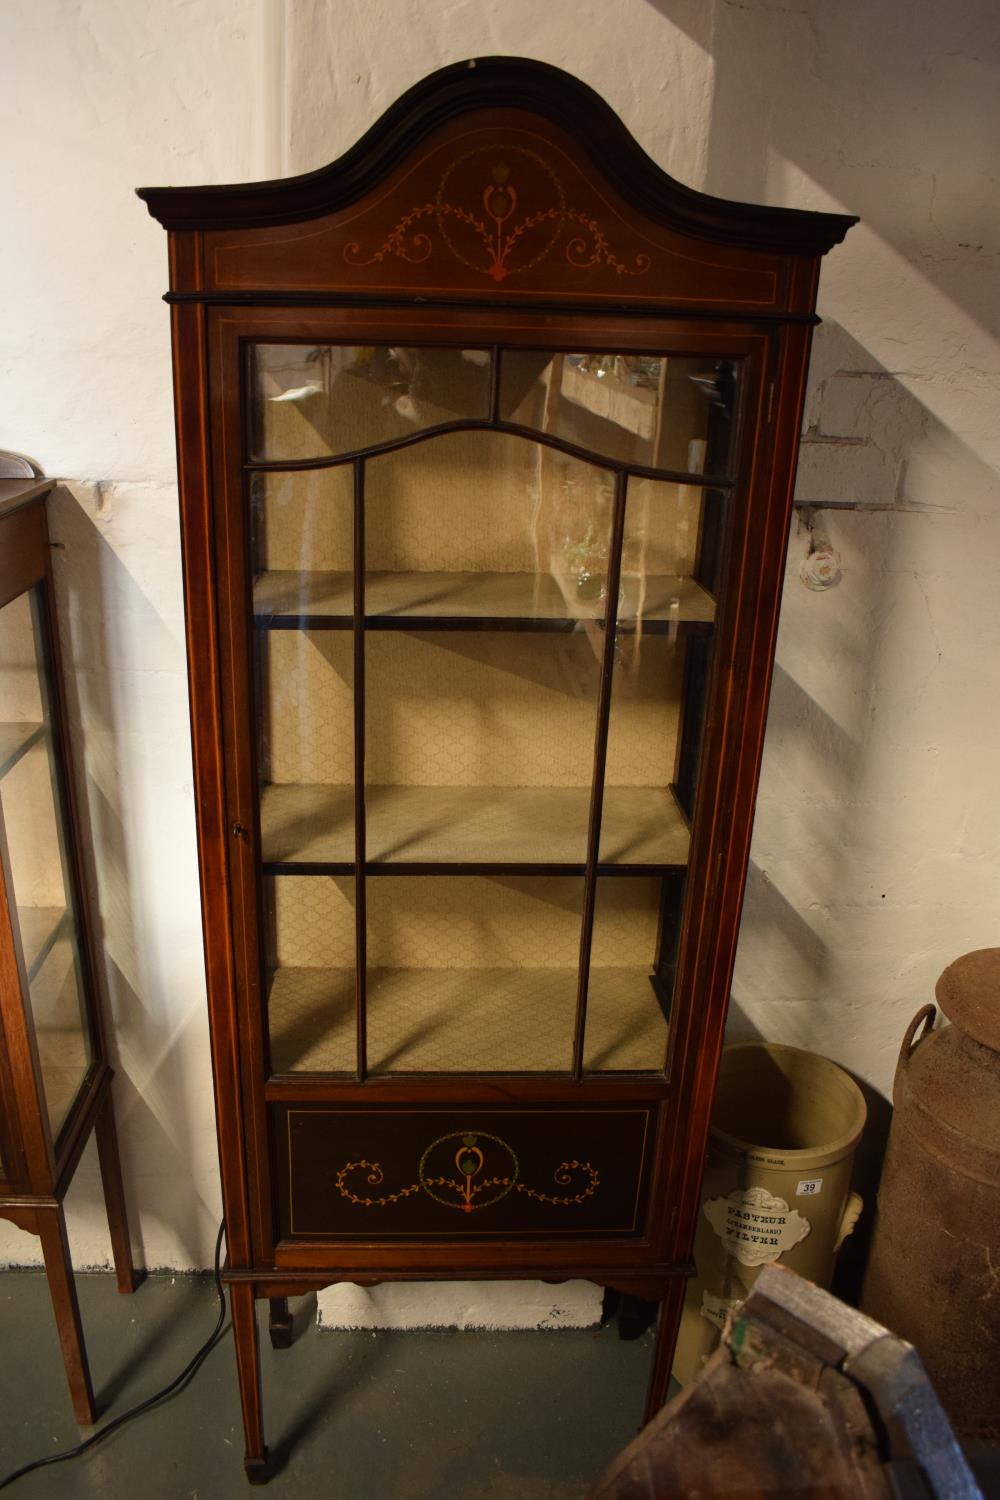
876,855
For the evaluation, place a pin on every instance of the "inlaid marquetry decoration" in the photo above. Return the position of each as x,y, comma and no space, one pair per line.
499,209
467,1170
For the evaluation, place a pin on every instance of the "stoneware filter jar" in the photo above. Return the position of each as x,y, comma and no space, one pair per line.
934,1272
777,1183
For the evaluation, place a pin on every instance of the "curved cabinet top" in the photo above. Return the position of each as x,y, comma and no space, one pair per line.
471,187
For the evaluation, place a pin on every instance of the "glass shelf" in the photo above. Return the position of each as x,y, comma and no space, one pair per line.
474,1020
497,826
522,601
15,741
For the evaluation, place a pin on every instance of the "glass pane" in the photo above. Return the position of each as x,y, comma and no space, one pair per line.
311,935
642,822
487,527
316,401
485,589
656,412
659,688
306,745
30,802
480,746
629,990
472,975
660,677
303,546
659,557
486,579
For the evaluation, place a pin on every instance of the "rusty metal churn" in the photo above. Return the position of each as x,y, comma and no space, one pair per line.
934,1272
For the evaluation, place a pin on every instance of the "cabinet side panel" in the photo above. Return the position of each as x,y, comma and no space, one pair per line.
91,1053
239,739
190,396
27,1135
738,721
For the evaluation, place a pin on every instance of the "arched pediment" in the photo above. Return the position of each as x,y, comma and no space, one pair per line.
476,185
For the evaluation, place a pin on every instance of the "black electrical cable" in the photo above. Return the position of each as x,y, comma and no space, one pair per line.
177,1384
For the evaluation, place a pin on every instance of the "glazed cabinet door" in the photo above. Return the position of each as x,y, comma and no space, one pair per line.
472,602
484,596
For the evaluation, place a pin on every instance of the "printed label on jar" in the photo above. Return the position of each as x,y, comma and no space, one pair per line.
809,1187
715,1309
755,1226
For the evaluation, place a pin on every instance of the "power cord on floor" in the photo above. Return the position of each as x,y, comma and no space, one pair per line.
179,1383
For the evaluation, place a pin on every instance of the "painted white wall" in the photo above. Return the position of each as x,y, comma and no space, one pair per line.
876,856
98,97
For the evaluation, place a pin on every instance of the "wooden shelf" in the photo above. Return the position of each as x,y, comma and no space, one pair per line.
15,740
464,1021
449,601
501,827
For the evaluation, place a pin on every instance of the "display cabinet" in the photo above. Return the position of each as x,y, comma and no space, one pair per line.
55,1079
486,435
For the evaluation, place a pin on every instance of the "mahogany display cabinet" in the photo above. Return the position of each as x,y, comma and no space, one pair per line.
55,1079
486,435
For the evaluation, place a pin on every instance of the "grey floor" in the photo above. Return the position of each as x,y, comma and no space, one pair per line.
415,1416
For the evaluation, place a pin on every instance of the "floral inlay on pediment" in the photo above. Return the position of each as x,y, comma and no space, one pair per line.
500,209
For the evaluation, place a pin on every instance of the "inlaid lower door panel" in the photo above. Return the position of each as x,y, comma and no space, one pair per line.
395,1174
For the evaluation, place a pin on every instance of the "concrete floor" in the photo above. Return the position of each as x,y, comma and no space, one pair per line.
397,1416
352,1416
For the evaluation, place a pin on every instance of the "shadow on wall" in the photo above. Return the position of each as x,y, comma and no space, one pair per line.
884,107
857,671
872,864
857,862
126,693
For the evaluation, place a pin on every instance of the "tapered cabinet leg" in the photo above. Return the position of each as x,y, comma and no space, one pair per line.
114,1195
51,1224
666,1340
244,1315
279,1324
